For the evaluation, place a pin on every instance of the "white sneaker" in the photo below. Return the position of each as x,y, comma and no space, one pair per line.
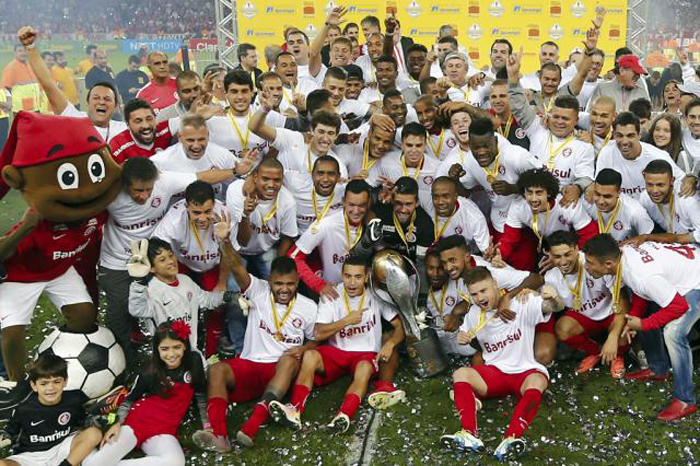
385,399
509,449
478,401
206,440
462,441
340,423
243,439
285,413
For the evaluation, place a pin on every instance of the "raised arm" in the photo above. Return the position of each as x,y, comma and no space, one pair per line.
590,44
229,256
335,18
27,37
519,105
257,122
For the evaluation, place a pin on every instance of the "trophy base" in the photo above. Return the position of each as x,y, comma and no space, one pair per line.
426,356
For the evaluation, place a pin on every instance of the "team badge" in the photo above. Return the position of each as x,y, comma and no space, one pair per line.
589,282
189,296
155,202
187,377
520,133
450,301
411,237
428,179
617,225
567,152
89,231
64,418
297,322
458,230
501,170
451,143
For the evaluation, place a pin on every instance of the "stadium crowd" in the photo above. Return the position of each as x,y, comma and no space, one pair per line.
551,212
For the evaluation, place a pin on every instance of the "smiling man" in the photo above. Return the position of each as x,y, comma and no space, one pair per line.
144,137
626,86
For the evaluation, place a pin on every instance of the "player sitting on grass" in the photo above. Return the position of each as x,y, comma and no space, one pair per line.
151,414
280,329
171,295
509,365
47,425
352,326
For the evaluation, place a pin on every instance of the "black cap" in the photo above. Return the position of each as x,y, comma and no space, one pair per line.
354,71
213,68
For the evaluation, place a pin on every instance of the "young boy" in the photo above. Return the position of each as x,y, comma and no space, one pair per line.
509,365
352,326
47,425
170,295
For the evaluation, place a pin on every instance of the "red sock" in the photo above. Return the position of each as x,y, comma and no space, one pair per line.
216,410
583,343
524,413
350,405
299,395
465,402
260,415
215,328
384,386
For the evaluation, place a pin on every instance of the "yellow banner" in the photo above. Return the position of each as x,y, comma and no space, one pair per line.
525,23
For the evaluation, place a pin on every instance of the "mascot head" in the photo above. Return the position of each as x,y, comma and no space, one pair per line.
61,165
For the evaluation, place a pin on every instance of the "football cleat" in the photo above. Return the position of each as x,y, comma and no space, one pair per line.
617,368
588,363
509,449
286,414
383,398
477,400
646,375
676,410
108,403
463,441
340,423
206,440
243,439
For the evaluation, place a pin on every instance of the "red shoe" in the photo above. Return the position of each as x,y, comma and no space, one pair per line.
588,363
646,375
617,368
676,410
385,395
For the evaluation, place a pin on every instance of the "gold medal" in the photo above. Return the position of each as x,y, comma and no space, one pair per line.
490,179
364,173
279,336
279,323
314,229
577,303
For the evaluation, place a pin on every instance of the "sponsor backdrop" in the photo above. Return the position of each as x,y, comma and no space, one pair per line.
479,22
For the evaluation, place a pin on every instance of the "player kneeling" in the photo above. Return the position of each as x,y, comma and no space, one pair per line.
509,365
352,326
46,425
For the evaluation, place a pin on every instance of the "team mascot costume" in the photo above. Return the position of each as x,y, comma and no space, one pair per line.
66,174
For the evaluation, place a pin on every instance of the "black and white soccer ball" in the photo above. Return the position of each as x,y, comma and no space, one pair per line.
95,360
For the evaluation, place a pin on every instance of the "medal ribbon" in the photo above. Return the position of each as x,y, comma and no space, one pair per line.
323,213
346,299
399,229
243,140
505,133
616,288
405,169
577,292
441,306
280,323
535,226
493,172
554,152
436,151
671,213
358,233
602,226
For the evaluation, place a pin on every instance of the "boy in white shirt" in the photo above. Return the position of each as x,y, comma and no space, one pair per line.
352,326
510,367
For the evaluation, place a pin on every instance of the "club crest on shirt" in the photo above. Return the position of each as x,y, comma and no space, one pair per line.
561,219
297,322
458,230
428,180
89,231
64,418
520,133
617,225
567,152
155,202
589,282
189,296
451,143
501,170
187,377
450,301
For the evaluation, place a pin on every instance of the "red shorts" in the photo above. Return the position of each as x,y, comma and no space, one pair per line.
499,384
548,327
337,363
251,378
590,326
206,280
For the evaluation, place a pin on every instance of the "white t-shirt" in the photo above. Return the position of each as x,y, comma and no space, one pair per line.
440,145
198,251
512,162
685,218
558,218
129,220
352,155
223,132
596,298
330,238
656,272
691,145
369,73
510,346
573,159
506,278
302,192
265,233
115,127
295,155
363,337
465,94
631,218
632,170
305,85
391,166
260,344
467,220
356,107
175,159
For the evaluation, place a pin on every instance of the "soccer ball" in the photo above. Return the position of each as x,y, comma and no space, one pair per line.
94,359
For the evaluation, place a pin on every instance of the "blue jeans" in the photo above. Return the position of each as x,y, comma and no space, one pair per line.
677,351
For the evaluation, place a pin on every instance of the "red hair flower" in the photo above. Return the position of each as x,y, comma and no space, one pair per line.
181,329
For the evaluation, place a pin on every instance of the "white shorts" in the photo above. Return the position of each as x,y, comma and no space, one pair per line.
51,457
18,299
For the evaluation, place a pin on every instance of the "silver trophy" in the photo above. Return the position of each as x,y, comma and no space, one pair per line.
391,283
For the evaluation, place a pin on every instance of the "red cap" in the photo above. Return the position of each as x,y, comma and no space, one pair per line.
631,62
36,139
